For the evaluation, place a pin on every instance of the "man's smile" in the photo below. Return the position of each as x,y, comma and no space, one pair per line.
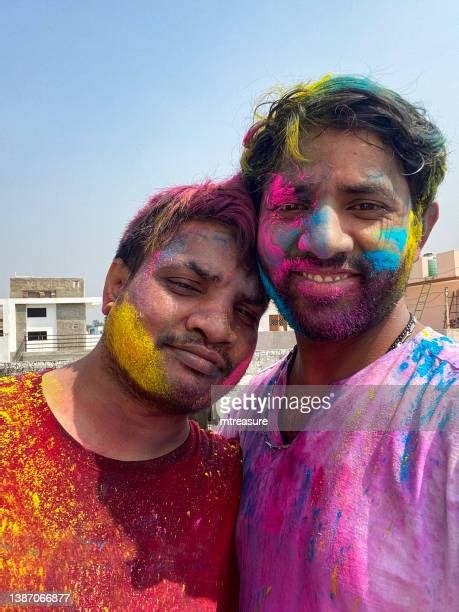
325,284
321,278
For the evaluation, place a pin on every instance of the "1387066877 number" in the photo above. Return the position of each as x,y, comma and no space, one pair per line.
36,599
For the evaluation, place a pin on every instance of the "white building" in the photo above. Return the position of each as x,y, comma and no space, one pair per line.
32,328
274,331
44,318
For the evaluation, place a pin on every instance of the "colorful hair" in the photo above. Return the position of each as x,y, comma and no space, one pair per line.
160,219
347,103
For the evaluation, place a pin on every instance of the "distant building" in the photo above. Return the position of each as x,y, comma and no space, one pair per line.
274,331
45,287
432,293
95,328
275,339
45,318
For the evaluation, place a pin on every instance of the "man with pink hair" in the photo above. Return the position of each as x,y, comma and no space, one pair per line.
113,498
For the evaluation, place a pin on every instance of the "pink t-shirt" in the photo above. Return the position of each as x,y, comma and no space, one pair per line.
359,520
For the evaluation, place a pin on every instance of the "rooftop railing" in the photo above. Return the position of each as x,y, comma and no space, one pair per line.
64,343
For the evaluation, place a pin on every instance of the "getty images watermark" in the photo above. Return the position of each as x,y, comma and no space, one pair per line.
245,407
336,408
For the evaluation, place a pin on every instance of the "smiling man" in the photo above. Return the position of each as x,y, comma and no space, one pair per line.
111,493
360,509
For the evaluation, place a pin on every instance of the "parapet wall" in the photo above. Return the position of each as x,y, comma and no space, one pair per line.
17,367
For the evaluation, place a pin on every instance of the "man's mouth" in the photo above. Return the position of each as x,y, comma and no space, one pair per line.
329,284
326,278
199,359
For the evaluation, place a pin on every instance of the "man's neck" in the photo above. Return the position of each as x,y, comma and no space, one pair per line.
325,362
90,404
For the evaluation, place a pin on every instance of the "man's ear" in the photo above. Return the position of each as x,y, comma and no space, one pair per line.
115,281
428,221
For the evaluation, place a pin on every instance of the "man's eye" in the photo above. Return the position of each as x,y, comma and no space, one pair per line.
288,206
371,206
247,314
182,286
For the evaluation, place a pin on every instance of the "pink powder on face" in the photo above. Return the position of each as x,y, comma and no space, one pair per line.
235,376
303,243
143,278
151,263
275,239
279,233
168,252
280,192
281,272
331,294
271,252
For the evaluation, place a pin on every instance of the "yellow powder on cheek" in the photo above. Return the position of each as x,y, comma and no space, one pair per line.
134,350
414,236
413,239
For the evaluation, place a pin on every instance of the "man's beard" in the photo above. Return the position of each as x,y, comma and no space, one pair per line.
327,319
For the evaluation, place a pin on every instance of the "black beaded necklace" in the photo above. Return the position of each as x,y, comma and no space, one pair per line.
404,334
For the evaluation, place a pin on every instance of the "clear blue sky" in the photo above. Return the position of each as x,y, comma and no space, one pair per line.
103,102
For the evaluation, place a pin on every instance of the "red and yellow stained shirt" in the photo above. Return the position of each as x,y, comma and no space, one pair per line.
117,535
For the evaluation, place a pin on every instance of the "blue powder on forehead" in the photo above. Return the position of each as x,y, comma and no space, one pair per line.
378,176
221,239
177,245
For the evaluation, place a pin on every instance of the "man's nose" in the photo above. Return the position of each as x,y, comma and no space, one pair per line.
215,322
323,234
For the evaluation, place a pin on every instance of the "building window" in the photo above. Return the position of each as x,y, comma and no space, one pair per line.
39,294
37,335
277,323
76,284
36,312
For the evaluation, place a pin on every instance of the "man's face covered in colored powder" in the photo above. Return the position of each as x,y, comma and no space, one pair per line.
187,320
337,235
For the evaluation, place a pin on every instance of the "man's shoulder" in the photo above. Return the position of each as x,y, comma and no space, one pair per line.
22,406
21,412
19,387
432,351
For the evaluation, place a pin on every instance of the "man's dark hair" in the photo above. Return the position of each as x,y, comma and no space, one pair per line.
346,103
